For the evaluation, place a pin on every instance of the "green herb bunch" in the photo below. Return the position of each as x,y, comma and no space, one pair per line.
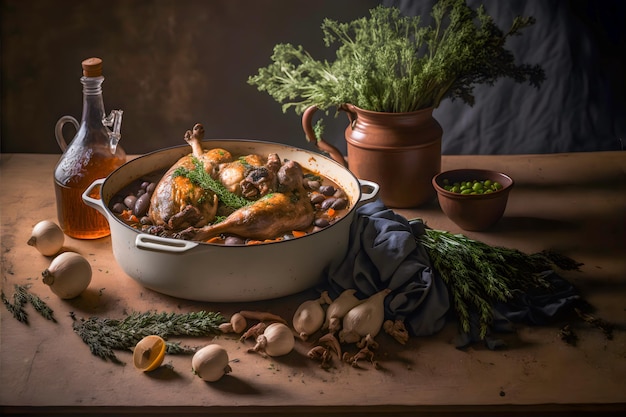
104,335
391,63
478,275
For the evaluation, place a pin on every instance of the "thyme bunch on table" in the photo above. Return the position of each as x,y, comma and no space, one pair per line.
104,335
392,63
479,275
21,297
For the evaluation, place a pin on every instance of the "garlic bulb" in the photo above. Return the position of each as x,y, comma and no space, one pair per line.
68,275
47,237
338,309
309,317
364,319
210,363
149,353
276,340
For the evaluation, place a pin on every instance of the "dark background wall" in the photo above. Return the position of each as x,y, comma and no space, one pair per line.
171,63
167,63
581,106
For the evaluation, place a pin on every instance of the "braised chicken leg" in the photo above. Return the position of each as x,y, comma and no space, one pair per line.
177,202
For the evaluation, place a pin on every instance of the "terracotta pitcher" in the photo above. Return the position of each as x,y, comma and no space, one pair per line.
399,151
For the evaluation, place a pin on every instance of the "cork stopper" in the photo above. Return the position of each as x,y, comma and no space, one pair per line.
92,67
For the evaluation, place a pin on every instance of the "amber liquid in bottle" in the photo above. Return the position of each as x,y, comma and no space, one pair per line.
92,154
76,218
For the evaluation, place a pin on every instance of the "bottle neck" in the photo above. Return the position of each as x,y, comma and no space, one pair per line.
93,103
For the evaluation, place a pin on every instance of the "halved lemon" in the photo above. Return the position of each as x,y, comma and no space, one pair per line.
149,353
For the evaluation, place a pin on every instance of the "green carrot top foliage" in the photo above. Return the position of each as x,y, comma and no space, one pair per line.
392,63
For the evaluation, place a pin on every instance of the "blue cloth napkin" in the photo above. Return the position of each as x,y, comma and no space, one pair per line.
383,253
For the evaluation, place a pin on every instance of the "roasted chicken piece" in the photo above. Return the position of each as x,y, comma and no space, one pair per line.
260,181
178,203
232,173
250,176
268,217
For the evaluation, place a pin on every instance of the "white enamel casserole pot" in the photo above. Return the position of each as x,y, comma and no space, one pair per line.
218,273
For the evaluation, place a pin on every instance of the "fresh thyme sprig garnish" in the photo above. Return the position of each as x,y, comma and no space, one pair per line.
198,176
479,275
21,297
104,335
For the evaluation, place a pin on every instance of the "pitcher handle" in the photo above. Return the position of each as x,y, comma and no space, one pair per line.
350,112
58,130
307,126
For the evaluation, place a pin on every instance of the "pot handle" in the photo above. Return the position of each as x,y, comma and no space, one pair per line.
307,126
367,196
162,244
95,202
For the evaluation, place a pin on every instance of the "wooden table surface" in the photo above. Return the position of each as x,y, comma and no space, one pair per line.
572,203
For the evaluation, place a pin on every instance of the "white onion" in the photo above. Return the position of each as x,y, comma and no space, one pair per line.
47,237
211,363
68,275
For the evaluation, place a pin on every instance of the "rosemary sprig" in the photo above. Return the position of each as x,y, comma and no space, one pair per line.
104,335
175,348
16,308
479,275
198,176
41,307
21,297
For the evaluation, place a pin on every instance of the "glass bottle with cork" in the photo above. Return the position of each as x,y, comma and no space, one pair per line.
93,153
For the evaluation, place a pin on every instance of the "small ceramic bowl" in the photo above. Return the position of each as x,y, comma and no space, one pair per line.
473,212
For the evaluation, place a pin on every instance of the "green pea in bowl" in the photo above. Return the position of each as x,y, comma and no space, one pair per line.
474,199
